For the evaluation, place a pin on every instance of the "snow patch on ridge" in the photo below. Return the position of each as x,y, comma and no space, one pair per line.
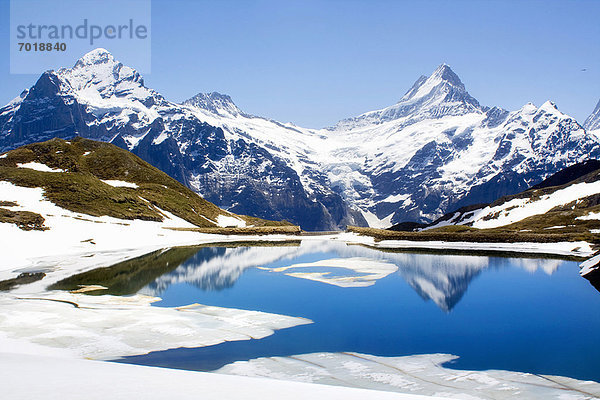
519,209
118,183
39,167
225,221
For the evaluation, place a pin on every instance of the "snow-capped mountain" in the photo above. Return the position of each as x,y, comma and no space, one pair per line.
228,157
435,150
438,149
592,123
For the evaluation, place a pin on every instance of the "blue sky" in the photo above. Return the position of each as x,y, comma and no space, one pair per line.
315,62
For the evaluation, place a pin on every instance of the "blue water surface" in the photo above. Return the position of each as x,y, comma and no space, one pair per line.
529,315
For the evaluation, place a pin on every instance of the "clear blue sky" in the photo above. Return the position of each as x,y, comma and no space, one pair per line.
315,62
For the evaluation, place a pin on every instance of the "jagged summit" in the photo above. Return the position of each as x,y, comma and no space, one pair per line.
442,76
440,94
214,102
94,57
101,70
593,121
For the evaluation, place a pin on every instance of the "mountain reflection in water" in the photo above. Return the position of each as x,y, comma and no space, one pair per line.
441,278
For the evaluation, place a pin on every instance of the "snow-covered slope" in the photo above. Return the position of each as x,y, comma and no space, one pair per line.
435,150
592,123
438,149
66,379
552,206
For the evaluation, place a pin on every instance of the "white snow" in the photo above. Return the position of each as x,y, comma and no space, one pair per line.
39,167
225,221
590,216
35,321
118,183
395,198
26,377
422,374
4,155
375,222
581,249
518,209
589,265
70,231
107,327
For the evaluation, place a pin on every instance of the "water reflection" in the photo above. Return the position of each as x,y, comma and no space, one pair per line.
441,278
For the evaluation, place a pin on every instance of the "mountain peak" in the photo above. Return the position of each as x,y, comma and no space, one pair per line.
549,106
214,102
438,95
445,73
593,121
96,57
101,70
443,79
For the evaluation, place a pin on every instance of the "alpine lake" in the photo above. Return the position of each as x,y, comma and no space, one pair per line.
495,311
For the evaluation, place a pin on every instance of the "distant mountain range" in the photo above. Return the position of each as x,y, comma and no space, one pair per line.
434,151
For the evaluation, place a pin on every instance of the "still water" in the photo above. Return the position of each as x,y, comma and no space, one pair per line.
523,314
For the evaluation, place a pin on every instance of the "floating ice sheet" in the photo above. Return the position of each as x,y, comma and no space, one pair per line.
418,374
369,271
107,327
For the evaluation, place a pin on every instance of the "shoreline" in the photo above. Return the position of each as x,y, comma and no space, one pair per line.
59,266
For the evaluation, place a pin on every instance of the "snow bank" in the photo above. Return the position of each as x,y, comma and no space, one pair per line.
580,249
72,232
519,209
225,221
34,377
589,265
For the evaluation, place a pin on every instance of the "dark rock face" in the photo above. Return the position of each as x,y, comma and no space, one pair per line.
22,279
569,174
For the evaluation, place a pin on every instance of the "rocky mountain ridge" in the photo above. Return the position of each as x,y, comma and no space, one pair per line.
435,150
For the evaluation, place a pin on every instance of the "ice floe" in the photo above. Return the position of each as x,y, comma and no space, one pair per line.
417,374
108,327
369,271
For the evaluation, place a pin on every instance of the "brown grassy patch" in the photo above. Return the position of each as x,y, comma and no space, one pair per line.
478,236
81,190
25,220
256,230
